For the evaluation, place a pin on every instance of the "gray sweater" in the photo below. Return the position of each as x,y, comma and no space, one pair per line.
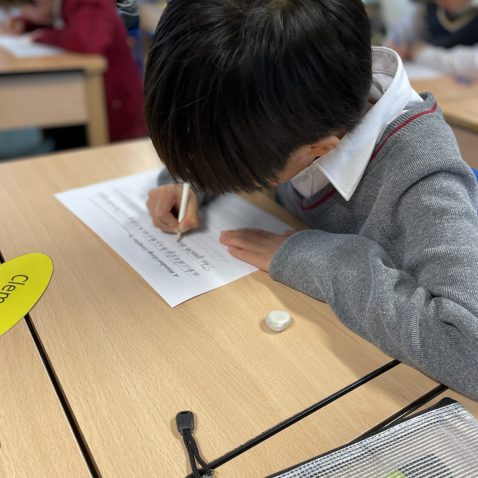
398,263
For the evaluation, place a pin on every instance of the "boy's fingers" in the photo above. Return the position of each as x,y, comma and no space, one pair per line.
242,238
165,225
166,222
165,200
161,201
188,223
191,218
252,258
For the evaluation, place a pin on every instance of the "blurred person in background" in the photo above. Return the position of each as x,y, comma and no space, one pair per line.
90,26
442,34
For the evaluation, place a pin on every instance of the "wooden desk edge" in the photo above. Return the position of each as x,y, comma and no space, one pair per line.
92,64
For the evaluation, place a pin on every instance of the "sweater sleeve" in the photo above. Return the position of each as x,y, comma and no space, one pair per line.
421,308
89,29
460,60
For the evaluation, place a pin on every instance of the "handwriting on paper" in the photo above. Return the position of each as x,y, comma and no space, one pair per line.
116,211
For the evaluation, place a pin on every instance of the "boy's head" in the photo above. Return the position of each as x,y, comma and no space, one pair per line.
235,88
39,12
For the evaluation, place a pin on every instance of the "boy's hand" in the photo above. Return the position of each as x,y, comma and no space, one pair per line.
254,246
163,206
13,26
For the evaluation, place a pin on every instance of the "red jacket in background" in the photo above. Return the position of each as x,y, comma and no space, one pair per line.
93,26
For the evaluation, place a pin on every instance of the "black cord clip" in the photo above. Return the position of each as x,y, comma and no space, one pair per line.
185,425
185,421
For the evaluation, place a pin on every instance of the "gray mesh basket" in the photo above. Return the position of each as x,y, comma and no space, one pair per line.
440,443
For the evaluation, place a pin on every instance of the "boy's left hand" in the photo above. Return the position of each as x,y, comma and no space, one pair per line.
255,246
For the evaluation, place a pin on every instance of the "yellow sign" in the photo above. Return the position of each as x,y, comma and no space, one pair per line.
23,280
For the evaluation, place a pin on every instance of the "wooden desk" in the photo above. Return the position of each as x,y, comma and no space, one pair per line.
459,103
35,438
462,112
127,362
446,88
54,91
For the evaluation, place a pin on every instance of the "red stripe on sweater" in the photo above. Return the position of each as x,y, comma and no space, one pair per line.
377,150
319,201
399,127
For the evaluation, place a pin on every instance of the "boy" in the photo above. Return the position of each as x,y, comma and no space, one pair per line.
442,34
91,26
241,94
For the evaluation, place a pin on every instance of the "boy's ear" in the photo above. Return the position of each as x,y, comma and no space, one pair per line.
323,146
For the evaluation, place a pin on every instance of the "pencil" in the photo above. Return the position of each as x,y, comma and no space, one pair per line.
182,208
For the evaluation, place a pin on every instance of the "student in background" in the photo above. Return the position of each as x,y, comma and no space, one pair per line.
442,34
20,142
392,11
240,95
91,26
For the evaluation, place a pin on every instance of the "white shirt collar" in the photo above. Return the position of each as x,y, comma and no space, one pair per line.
344,166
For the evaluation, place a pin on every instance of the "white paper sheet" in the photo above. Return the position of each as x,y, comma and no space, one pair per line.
116,211
23,47
415,71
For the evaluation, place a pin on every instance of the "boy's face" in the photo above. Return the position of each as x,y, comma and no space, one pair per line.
453,6
298,161
305,156
40,12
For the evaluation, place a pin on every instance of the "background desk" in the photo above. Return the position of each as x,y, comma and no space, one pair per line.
127,362
53,91
446,88
462,112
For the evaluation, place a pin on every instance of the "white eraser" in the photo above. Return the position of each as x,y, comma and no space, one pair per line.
278,320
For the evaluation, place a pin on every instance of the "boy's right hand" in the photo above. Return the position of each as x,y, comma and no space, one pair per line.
163,206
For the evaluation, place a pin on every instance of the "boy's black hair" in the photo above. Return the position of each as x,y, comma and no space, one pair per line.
233,87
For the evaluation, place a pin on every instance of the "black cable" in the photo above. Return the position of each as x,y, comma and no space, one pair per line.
410,408
185,425
295,418
198,456
192,457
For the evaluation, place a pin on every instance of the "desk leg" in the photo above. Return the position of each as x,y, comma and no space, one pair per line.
97,127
